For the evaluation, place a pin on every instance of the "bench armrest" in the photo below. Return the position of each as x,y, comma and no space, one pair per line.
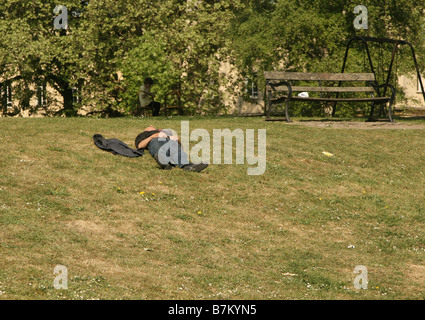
286,83
385,85
288,98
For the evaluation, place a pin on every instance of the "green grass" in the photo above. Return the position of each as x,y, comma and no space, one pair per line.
218,234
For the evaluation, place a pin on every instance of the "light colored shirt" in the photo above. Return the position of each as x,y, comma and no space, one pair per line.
144,98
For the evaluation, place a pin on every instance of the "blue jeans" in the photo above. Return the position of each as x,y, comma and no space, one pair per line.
178,158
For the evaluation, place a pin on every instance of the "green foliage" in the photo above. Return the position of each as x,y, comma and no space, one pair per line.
184,43
148,59
183,47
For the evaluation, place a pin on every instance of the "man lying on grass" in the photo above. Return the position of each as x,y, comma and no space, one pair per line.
172,155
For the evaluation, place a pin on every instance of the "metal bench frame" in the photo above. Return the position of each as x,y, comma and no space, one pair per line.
277,82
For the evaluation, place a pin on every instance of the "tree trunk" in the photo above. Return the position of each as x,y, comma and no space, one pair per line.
68,105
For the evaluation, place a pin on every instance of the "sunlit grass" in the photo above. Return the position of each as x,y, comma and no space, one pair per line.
127,230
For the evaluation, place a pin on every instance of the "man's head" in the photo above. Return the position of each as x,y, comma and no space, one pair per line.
148,82
150,128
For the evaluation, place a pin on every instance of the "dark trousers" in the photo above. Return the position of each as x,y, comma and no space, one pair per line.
155,108
178,158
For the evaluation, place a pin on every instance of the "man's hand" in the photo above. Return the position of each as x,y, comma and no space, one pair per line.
145,93
175,139
163,135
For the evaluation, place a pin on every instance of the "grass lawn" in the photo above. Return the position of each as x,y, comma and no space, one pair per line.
125,229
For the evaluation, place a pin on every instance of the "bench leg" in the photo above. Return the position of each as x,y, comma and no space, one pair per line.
390,112
288,119
371,111
333,110
269,106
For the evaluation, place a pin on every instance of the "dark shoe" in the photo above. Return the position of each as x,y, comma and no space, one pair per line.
166,166
195,167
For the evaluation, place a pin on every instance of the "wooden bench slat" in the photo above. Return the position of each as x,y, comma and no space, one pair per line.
377,99
276,75
326,89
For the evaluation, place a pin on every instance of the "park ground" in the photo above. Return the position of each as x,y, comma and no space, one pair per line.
126,230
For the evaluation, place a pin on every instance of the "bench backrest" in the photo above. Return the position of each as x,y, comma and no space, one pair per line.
276,76
292,76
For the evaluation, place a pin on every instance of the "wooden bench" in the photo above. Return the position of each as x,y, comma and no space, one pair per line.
280,88
173,96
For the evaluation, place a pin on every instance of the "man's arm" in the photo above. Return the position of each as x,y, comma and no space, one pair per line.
144,143
144,93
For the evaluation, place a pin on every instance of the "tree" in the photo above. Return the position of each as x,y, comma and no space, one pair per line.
312,35
35,51
107,37
183,46
87,50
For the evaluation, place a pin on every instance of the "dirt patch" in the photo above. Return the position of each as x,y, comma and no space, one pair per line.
416,276
360,125
96,230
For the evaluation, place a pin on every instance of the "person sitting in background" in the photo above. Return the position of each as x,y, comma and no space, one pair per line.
153,139
146,98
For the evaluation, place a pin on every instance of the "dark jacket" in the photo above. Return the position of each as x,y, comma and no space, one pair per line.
116,147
